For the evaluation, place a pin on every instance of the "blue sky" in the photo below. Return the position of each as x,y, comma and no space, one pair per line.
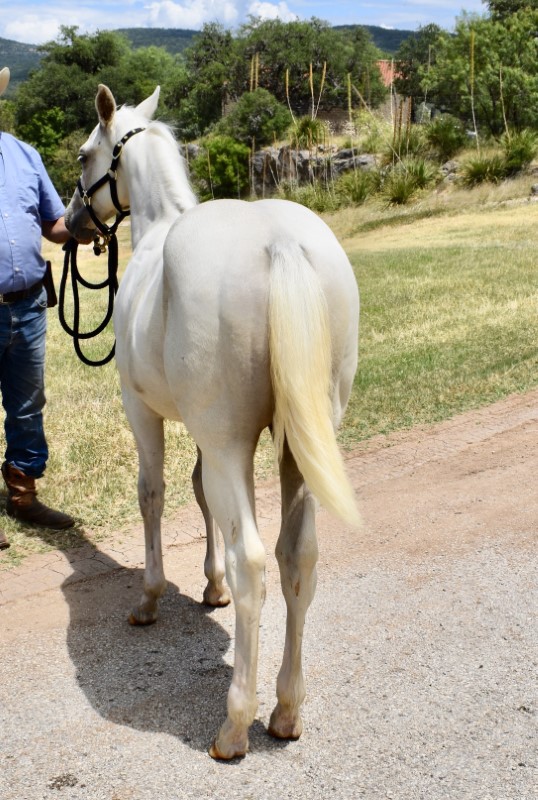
37,21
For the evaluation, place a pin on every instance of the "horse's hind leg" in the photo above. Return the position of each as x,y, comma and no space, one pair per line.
297,554
149,434
229,489
215,593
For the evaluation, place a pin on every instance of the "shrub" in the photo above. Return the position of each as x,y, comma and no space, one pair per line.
257,116
482,168
446,135
377,178
63,167
519,148
353,188
423,172
315,196
373,133
308,133
399,186
409,141
222,168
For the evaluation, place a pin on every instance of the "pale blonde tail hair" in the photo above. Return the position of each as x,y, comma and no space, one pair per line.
301,370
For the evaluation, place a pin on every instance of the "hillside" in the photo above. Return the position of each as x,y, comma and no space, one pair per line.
22,58
175,40
387,39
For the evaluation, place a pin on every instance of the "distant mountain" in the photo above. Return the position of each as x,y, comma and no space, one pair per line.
22,58
175,40
387,39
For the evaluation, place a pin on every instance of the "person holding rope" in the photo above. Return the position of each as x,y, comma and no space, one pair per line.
30,208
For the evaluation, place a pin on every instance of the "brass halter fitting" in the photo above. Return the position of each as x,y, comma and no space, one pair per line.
100,243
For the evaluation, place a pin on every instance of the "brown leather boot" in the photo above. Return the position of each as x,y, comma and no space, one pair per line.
23,504
4,544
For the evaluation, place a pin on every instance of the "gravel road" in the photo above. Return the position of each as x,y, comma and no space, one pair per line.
421,647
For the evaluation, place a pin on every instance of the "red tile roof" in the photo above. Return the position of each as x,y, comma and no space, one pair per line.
387,71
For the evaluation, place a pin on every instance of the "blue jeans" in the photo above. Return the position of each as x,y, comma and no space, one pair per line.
23,326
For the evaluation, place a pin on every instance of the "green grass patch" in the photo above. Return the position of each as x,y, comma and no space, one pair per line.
443,329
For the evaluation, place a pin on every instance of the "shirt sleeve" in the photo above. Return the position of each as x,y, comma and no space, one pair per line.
51,207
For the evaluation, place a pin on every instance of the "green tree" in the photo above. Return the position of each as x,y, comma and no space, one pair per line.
296,60
362,65
500,9
138,72
63,167
67,78
70,71
44,131
258,117
7,116
505,85
415,55
221,169
202,90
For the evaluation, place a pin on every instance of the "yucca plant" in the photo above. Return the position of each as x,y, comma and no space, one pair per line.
422,171
353,188
308,133
399,186
482,168
314,195
445,135
519,149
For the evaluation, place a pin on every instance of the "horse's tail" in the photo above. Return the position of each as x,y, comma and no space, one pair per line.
300,348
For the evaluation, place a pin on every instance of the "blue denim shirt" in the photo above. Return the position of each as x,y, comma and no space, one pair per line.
27,196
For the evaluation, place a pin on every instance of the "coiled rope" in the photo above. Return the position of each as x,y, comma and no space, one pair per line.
111,282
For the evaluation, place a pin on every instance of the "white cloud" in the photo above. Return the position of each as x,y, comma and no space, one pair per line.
192,13
272,11
32,28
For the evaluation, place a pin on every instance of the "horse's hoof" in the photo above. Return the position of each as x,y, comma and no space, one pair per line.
216,598
139,617
216,753
285,726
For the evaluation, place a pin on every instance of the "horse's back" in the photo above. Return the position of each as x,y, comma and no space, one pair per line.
217,261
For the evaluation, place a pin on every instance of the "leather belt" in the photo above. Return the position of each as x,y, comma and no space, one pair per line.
12,297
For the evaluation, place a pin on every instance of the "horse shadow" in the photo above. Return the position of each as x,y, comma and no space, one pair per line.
170,677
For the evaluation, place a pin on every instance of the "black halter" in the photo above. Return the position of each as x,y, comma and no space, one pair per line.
107,240
109,177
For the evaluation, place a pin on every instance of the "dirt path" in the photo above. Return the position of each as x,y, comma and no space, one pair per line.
421,648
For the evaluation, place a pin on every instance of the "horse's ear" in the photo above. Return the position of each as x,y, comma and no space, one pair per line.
105,105
148,107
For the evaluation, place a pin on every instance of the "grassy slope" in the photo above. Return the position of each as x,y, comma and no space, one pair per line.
449,298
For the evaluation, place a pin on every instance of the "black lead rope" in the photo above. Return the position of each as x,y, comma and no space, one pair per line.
111,282
105,239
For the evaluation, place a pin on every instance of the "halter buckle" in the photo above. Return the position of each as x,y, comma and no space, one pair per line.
86,199
100,243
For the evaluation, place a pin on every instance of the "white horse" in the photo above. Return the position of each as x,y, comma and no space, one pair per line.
232,317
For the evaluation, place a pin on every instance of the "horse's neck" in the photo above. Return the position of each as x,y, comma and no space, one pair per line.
159,191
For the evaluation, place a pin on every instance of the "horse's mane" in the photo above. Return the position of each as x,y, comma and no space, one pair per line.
174,175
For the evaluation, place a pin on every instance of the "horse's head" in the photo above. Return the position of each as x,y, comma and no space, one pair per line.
102,190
